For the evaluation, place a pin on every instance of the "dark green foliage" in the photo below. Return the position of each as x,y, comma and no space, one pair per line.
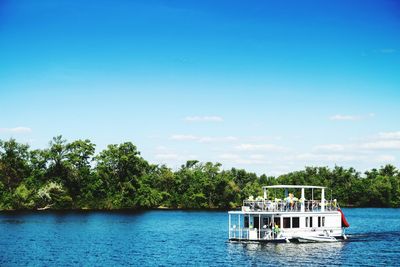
14,158
70,176
120,168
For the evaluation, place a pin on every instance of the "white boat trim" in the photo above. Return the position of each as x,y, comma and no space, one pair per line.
293,186
315,238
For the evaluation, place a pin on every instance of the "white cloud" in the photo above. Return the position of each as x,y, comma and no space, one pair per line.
382,144
229,156
250,161
191,157
389,135
203,119
263,138
19,129
208,139
236,159
260,147
257,156
325,157
329,148
183,137
203,139
340,117
381,141
167,156
385,158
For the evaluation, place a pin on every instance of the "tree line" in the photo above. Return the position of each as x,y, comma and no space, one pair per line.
69,175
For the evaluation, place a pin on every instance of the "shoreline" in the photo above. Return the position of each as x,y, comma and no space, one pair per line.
131,210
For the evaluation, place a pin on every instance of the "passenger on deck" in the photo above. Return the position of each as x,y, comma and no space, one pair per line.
290,200
267,232
276,230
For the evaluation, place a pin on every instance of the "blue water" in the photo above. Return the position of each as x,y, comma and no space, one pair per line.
164,238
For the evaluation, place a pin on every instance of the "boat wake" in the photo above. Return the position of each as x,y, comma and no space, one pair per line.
374,236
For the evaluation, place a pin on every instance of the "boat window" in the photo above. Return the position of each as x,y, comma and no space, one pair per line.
246,221
306,221
319,221
323,221
286,222
311,222
277,221
256,222
295,222
266,221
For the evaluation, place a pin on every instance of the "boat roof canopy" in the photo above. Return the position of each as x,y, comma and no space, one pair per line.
294,186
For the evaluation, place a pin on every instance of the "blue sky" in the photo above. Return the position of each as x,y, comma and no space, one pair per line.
270,86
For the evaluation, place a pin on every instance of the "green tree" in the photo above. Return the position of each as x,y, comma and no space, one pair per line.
69,175
120,167
59,168
14,165
23,198
79,155
53,195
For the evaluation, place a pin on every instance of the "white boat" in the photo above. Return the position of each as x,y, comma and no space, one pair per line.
271,219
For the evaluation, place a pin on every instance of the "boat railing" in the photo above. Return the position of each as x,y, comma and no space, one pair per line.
239,233
288,206
246,233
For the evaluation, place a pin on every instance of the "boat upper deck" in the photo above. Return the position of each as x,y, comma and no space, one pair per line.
290,203
289,206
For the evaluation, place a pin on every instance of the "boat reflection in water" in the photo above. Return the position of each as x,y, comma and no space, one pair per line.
284,253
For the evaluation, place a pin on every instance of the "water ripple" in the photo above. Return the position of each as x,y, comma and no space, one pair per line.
165,238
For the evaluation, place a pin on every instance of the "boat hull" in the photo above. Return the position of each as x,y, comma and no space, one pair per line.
316,239
291,240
